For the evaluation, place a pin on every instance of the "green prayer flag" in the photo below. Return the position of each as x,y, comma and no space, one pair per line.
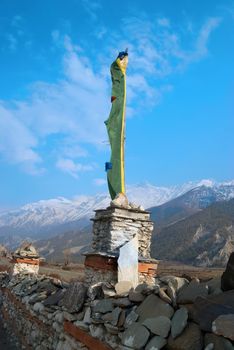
116,125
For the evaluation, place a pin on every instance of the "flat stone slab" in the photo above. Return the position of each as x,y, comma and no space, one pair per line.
136,336
158,325
156,343
153,306
190,339
104,306
54,299
74,297
224,325
219,343
179,322
206,310
123,287
128,262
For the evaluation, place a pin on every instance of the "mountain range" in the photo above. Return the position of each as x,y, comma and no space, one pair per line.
58,224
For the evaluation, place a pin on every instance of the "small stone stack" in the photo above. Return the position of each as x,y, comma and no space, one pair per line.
112,229
25,260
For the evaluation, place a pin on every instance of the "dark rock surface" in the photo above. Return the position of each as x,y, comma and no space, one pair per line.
227,279
209,308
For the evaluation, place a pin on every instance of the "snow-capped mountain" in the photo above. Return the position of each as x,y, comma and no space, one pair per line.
55,215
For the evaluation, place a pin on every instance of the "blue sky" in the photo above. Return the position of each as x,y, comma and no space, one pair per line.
55,93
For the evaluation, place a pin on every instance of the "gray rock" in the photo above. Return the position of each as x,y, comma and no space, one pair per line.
104,306
179,322
190,292
81,325
69,317
74,297
224,325
95,291
135,296
190,339
97,331
156,343
153,306
147,289
163,295
219,343
38,307
136,336
115,316
108,290
123,287
206,310
54,299
158,325
131,317
111,329
87,316
122,302
176,282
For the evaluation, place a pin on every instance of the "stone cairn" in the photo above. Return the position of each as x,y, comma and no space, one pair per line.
25,260
121,247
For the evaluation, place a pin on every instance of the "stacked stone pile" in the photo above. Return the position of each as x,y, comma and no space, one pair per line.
175,313
25,259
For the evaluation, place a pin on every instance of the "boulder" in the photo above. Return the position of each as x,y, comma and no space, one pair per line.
136,336
190,292
123,287
179,322
131,317
136,296
153,306
103,306
55,298
158,325
219,343
224,325
156,343
209,308
74,297
190,339
227,279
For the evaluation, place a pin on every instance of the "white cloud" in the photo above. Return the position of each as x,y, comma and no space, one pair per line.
12,41
99,182
91,7
76,106
72,168
164,22
17,143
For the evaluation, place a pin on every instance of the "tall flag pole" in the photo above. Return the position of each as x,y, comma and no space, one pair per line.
116,126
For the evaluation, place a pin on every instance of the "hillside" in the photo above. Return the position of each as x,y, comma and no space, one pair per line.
205,238
189,203
48,218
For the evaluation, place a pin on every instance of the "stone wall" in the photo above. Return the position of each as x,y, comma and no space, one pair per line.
112,227
176,313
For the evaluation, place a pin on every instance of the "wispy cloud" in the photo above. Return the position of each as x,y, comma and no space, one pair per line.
91,7
71,167
99,182
76,106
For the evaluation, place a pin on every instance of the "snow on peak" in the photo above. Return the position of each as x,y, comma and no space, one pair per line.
62,210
